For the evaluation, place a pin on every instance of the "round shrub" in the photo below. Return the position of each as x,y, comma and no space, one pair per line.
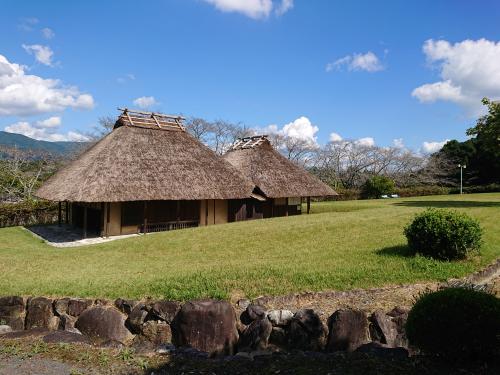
376,186
443,234
456,323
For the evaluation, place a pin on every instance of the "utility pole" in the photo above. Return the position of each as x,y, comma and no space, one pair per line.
462,167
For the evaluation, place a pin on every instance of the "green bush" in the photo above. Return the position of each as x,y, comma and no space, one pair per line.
443,234
376,186
456,323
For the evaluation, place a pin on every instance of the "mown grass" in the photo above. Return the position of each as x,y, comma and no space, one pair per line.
341,245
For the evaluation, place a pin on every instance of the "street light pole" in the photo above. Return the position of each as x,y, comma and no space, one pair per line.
462,167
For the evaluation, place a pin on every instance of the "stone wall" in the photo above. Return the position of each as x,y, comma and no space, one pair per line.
209,326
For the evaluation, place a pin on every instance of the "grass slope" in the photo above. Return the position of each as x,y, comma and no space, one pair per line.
342,245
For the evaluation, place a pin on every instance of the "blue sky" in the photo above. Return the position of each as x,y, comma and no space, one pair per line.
408,70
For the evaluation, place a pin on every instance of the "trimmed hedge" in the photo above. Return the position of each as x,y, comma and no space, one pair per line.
443,234
457,323
28,213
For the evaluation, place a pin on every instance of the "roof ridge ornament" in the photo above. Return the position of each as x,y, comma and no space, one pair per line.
151,119
249,142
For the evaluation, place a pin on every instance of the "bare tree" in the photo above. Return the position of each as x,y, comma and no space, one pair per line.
199,128
22,171
104,126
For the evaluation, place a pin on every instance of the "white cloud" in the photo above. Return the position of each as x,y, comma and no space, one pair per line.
127,77
469,70
48,33
43,54
51,122
255,9
284,7
368,62
398,143
145,102
431,147
24,94
45,130
335,137
27,23
367,142
300,129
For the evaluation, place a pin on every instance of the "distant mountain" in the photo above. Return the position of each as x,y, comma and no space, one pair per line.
22,142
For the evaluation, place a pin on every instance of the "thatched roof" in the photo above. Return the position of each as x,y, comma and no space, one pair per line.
148,159
271,172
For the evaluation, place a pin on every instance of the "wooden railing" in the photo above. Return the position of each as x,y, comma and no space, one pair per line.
170,225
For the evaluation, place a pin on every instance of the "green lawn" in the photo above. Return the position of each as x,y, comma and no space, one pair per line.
341,245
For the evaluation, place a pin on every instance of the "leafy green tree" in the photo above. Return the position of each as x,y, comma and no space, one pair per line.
486,136
376,186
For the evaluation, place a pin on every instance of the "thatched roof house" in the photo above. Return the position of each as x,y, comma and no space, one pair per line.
149,174
280,181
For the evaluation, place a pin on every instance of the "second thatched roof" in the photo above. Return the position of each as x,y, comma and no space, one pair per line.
271,172
151,158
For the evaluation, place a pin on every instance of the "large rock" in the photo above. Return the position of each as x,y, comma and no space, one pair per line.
399,316
256,312
206,325
279,337
280,318
164,310
348,330
137,317
33,332
104,324
256,335
157,332
61,306
41,314
383,329
307,331
13,311
78,305
66,322
125,305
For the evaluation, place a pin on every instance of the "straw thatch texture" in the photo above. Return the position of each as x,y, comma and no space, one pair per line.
146,163
275,175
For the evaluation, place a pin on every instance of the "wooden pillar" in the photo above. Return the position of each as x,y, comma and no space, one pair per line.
272,207
85,221
286,206
105,216
145,216
59,219
108,215
206,212
214,211
178,211
67,212
308,205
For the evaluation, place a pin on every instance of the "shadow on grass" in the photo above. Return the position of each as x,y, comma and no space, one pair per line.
447,204
401,251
